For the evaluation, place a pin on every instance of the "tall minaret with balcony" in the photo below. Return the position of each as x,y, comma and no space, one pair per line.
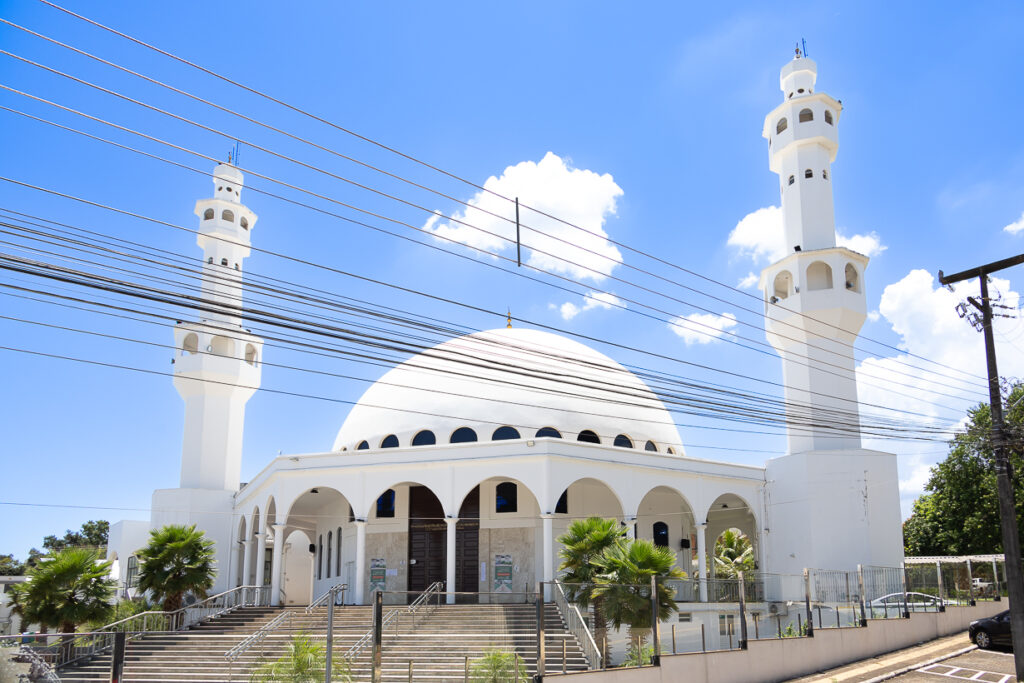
814,296
216,366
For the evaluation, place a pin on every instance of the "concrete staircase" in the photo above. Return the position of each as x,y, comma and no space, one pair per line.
437,644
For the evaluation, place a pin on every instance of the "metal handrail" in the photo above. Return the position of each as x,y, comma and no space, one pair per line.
577,625
319,602
367,638
393,615
64,653
436,588
277,622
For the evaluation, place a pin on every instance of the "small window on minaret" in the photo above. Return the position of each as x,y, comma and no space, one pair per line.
228,215
792,179
824,174
828,117
781,125
208,214
223,261
808,173
244,223
806,115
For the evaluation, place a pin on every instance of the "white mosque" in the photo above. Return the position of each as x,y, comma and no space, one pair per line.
464,463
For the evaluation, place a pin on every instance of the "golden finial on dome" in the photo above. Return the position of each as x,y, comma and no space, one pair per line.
508,319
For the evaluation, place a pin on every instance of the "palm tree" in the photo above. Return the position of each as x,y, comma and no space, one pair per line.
733,553
497,666
66,589
178,560
624,584
582,544
303,662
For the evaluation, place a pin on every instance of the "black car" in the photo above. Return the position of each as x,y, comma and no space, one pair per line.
991,631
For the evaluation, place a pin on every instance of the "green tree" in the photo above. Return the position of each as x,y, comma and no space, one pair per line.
582,544
303,662
497,666
10,566
66,589
959,514
733,554
177,560
624,585
93,534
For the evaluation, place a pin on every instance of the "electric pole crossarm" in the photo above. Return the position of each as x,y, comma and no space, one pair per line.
981,270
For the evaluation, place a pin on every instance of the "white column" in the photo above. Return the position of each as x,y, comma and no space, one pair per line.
246,561
631,528
261,554
450,559
275,565
360,562
548,554
702,561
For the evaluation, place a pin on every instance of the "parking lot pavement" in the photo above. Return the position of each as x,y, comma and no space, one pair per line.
978,665
890,663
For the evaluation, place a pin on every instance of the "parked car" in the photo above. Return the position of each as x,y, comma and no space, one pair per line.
991,631
916,602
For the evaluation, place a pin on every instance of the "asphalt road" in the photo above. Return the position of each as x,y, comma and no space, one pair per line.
992,666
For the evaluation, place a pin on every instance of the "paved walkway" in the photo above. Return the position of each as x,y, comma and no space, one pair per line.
887,665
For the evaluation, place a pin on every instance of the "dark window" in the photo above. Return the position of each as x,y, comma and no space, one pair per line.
623,441
386,504
588,436
424,438
549,431
363,445
390,441
828,117
503,433
320,558
781,125
562,506
808,173
506,497
463,435
244,222
208,214
670,450
337,563
650,446
661,534
824,174
351,514
330,545
792,179
806,115
228,215
223,261
131,579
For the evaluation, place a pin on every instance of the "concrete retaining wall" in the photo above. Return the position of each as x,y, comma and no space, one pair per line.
768,661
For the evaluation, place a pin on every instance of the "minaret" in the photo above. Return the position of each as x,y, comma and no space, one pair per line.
216,365
814,297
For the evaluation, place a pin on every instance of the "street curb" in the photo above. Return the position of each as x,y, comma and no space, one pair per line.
912,667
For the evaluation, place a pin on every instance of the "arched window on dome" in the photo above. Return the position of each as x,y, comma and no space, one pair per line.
808,173
504,433
386,504
781,125
506,497
588,436
330,545
651,446
562,506
208,215
549,432
661,534
670,450
828,117
390,441
463,435
424,438
363,446
228,215
320,558
623,441
806,115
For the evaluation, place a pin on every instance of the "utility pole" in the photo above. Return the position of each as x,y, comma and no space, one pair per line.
1004,477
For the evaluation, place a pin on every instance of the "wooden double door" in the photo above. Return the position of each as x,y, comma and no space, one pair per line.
428,539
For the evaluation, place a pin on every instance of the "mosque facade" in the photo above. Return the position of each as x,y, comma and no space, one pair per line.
464,463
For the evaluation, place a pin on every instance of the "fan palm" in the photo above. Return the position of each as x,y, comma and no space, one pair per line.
623,583
303,662
583,542
733,553
177,560
497,666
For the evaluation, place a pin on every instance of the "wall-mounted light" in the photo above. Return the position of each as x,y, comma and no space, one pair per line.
773,300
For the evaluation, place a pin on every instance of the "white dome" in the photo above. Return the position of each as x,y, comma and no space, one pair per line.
526,379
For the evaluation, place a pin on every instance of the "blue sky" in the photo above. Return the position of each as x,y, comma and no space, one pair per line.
662,107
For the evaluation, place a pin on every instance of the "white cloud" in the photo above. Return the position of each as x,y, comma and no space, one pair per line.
604,300
578,196
759,236
702,328
749,282
1016,226
874,316
924,316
